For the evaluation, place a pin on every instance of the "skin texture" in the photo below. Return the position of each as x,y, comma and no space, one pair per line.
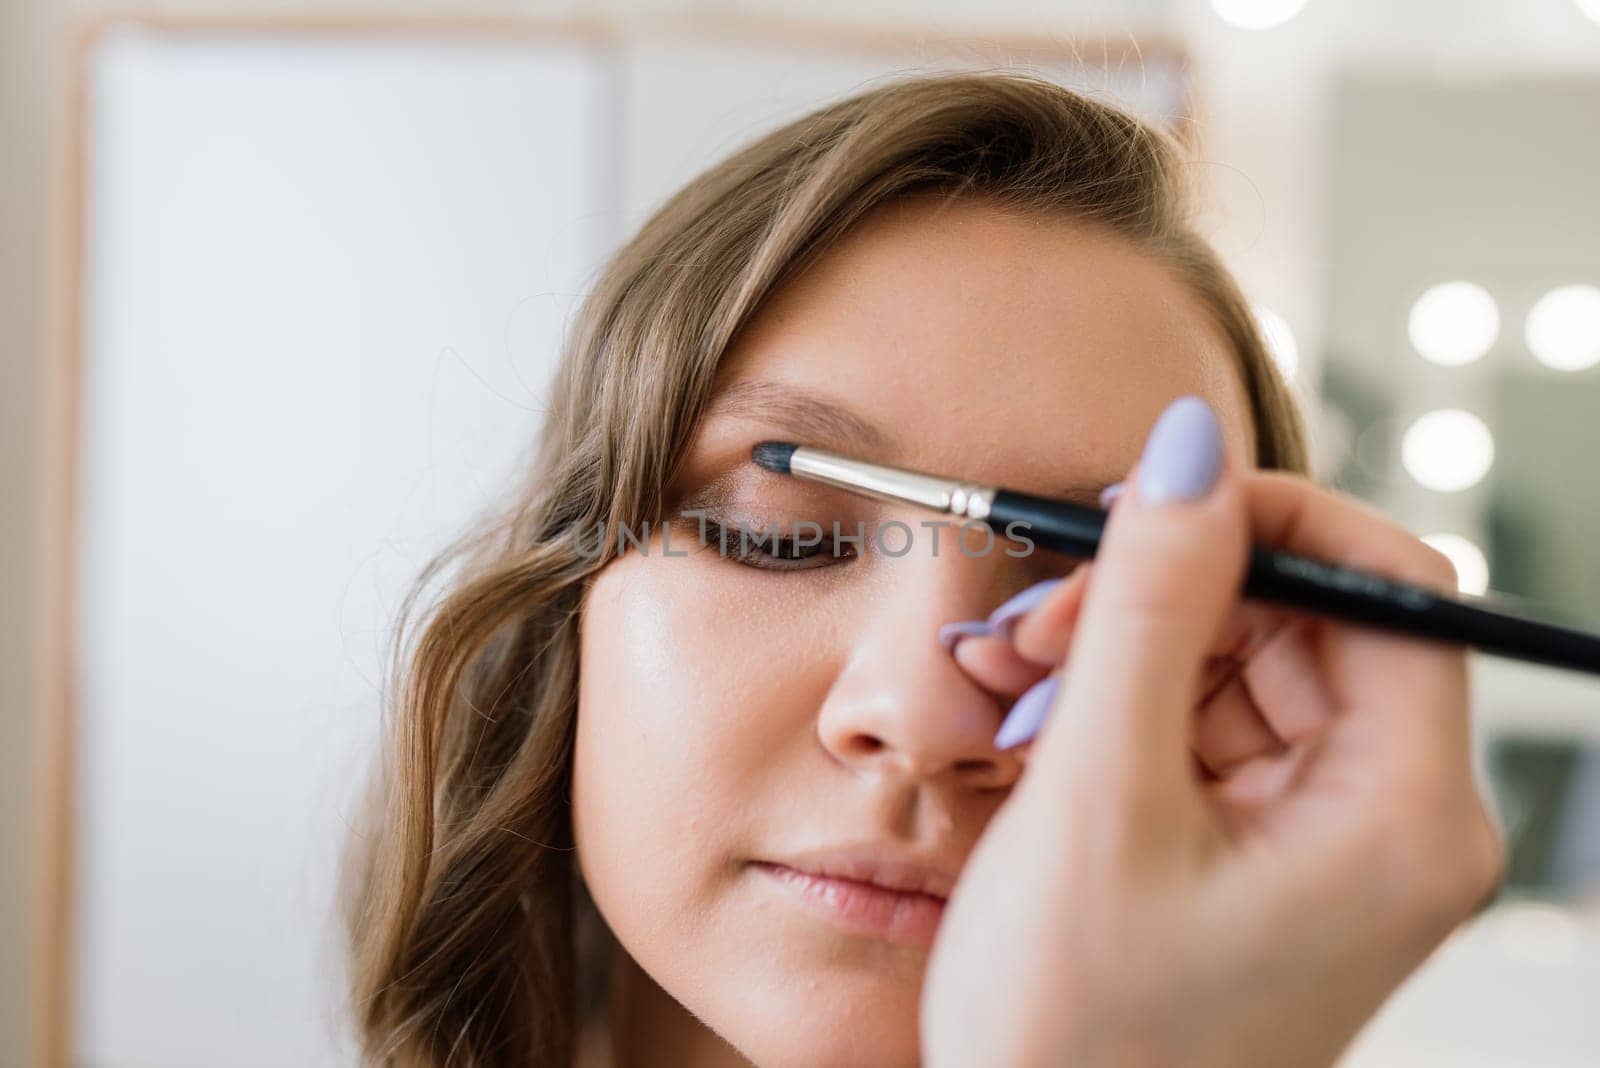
729,713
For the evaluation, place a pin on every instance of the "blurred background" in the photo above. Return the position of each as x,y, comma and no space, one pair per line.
283,284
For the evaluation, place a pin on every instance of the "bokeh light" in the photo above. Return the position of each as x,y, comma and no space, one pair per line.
1454,323
1257,14
1563,329
1472,568
1448,450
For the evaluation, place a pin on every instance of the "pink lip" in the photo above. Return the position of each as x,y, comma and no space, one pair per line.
907,911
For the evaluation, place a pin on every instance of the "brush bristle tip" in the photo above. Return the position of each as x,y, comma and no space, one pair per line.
773,455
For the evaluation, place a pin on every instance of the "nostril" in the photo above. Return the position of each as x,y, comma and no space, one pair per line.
977,764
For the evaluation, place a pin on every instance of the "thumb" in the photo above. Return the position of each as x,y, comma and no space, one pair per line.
1166,577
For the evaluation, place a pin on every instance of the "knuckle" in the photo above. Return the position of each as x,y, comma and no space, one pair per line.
1456,865
1489,860
1436,853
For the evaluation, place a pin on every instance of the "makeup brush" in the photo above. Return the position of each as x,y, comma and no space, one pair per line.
1279,577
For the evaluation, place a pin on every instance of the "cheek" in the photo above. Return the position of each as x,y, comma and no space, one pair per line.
682,707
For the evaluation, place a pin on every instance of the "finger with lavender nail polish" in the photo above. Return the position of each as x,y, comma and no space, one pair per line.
1003,619
1183,455
950,634
1028,714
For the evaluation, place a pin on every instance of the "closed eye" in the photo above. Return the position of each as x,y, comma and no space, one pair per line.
768,551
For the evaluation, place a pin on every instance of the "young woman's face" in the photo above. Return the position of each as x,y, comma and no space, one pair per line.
743,722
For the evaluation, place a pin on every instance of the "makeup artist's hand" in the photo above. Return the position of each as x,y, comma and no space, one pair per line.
1132,905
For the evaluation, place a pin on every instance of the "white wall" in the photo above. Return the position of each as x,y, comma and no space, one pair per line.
326,284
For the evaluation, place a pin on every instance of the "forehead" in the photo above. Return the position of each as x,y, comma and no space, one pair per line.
988,343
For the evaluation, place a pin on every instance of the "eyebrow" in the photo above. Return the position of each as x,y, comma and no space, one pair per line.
806,415
813,419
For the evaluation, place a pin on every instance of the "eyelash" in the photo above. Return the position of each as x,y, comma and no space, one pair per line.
745,550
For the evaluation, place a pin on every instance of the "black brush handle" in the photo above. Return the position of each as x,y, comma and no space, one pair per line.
1329,590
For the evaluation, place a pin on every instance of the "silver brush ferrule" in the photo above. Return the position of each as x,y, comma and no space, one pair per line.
965,499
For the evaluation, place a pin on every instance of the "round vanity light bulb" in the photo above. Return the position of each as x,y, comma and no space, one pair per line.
1454,323
1448,450
1563,328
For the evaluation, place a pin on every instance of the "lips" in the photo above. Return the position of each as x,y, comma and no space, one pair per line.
867,891
879,867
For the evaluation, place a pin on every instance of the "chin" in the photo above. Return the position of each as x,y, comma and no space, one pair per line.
840,1015
884,1044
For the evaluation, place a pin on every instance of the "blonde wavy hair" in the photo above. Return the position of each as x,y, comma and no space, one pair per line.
473,942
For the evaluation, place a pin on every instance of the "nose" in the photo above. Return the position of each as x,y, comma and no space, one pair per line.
900,704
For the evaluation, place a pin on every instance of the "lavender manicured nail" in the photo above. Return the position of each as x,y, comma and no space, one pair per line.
1004,618
950,634
1111,493
1182,455
1028,714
